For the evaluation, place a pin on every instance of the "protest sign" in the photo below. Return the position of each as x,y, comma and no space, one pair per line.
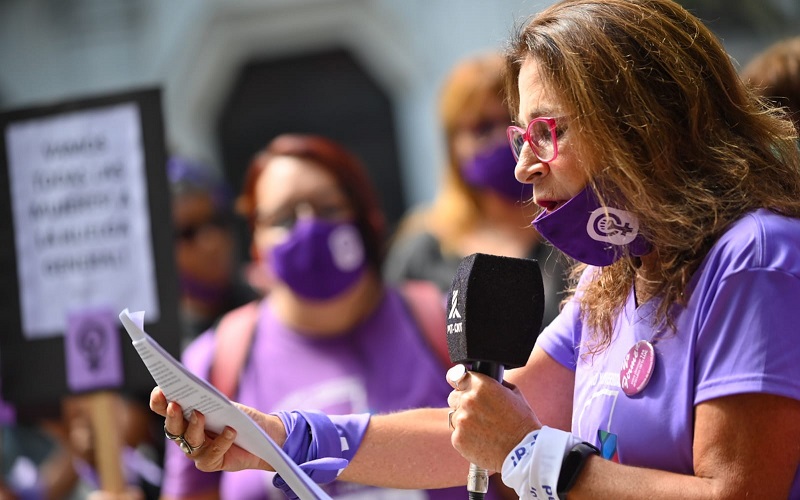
86,231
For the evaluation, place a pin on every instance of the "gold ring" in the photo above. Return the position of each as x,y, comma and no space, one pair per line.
450,419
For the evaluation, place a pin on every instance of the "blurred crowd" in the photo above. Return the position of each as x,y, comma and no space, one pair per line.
332,302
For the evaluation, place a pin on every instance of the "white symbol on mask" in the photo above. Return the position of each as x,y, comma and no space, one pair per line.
611,225
346,248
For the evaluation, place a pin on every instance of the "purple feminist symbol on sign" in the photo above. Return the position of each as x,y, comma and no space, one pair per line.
92,343
92,350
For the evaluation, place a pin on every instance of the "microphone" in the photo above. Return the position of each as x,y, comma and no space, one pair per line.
495,311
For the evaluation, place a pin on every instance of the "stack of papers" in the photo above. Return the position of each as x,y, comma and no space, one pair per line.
194,393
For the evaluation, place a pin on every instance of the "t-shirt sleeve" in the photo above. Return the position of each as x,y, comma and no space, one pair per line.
749,339
561,338
181,477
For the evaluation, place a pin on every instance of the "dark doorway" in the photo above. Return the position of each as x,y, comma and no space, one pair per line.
327,93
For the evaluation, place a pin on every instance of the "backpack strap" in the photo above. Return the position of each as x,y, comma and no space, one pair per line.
426,303
232,339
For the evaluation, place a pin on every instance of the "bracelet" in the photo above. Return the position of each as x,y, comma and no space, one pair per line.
532,468
572,465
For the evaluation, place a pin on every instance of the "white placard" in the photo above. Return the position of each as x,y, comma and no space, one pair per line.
81,217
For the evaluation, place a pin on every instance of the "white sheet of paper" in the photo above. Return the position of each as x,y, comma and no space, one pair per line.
193,393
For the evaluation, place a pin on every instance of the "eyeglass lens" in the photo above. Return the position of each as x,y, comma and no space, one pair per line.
541,140
286,217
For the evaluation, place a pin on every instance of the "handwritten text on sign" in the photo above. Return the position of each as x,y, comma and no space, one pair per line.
81,218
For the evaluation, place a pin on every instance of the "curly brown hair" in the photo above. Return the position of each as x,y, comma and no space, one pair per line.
684,144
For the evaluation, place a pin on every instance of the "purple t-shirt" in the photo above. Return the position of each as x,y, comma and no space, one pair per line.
382,365
737,334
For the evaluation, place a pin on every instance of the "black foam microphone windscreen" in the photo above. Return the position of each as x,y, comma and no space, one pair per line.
495,309
494,316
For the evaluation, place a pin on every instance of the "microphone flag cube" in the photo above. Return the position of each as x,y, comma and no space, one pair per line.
495,307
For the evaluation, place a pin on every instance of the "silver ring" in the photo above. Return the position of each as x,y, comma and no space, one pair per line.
171,436
186,447
450,419
182,442
456,374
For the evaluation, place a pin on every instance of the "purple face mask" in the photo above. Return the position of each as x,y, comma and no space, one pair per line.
320,259
493,169
590,233
196,289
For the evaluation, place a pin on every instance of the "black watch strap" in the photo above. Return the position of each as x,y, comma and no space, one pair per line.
572,465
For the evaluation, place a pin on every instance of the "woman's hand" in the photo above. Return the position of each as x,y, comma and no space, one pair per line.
212,452
488,418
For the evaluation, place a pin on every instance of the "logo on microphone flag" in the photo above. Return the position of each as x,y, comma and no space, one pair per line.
454,314
455,327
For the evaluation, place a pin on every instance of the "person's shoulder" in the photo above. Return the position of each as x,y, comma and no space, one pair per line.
198,354
420,242
761,239
411,257
242,293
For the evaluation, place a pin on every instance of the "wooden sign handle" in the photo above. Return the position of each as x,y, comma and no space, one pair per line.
104,408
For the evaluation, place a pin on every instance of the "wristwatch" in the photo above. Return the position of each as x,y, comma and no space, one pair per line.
572,465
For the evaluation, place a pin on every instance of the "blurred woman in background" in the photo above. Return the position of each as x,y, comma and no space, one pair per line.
330,335
205,246
480,205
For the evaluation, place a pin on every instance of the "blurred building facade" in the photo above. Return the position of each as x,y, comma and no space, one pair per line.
235,73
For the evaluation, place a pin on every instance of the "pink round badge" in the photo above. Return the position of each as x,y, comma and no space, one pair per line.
637,368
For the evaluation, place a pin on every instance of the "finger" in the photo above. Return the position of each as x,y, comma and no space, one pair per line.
158,402
511,386
455,434
195,433
174,422
454,399
211,457
456,375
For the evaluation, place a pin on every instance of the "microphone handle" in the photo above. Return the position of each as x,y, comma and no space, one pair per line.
490,369
478,478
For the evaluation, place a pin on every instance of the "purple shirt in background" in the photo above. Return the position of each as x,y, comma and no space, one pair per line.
8,414
384,364
738,334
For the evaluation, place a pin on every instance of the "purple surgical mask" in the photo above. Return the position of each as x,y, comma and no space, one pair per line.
590,233
196,289
321,259
493,169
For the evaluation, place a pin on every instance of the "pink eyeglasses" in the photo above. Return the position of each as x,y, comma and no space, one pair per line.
541,136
